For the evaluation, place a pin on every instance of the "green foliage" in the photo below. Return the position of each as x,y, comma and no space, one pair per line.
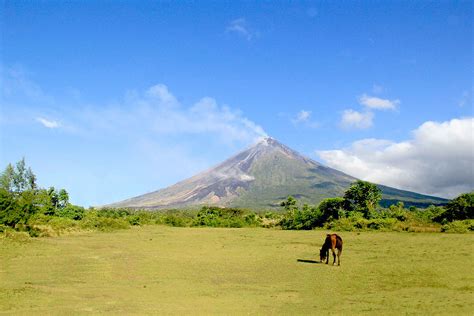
16,209
18,179
70,211
225,217
9,213
63,198
6,178
290,204
460,208
93,221
397,212
359,223
362,196
331,209
305,218
175,220
464,226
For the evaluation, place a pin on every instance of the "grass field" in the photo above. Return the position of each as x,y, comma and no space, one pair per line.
164,270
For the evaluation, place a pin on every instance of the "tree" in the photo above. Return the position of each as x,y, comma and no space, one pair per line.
331,208
18,179
53,195
460,208
30,179
6,179
362,196
307,217
9,214
289,204
63,198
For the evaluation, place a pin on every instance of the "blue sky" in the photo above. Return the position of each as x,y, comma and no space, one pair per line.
114,99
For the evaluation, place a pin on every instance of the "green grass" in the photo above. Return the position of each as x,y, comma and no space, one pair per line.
162,270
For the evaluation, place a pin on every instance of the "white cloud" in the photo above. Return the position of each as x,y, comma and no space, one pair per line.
302,116
378,103
240,26
354,119
48,123
438,160
157,112
161,92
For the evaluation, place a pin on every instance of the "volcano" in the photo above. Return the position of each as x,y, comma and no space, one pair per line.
260,177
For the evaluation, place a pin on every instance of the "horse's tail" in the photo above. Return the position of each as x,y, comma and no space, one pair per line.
339,239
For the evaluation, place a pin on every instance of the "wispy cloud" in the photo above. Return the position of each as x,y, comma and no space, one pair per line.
16,83
358,120
377,89
437,160
48,123
156,111
303,117
378,103
240,26
465,98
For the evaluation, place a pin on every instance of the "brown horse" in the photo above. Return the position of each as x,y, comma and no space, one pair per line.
332,242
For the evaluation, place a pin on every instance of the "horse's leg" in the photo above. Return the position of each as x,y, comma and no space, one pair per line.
333,256
339,257
327,256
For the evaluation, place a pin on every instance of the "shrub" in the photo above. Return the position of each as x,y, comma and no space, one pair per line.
209,216
305,219
93,221
358,223
113,212
134,220
225,217
330,209
252,219
464,226
60,224
343,224
175,220
71,211
460,208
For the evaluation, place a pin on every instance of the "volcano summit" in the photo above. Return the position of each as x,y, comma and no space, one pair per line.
261,177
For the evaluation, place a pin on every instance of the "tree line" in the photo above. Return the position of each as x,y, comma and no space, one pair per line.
42,212
359,208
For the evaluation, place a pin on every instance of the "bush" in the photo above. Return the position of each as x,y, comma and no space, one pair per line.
71,211
464,226
343,224
134,220
95,222
358,223
225,217
14,235
307,218
460,208
114,212
175,220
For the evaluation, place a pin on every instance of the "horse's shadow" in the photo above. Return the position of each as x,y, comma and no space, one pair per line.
307,261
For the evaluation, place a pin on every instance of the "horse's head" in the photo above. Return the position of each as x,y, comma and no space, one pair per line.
322,255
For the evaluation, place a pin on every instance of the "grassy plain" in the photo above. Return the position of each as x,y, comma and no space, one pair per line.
164,270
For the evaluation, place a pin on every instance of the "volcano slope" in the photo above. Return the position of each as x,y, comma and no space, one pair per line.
260,177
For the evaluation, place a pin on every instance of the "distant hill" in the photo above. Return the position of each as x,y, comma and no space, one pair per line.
260,178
